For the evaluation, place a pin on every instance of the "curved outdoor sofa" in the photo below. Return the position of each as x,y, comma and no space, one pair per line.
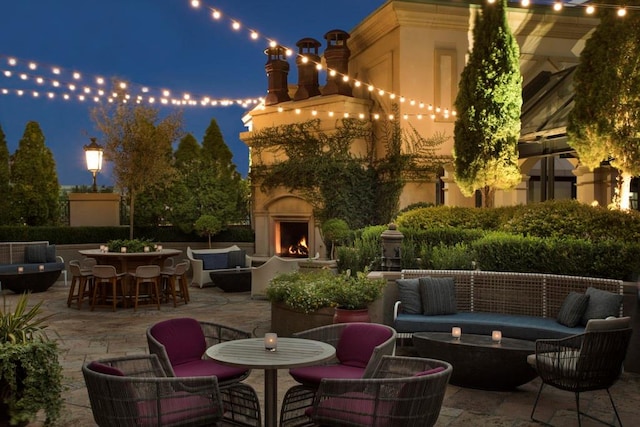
526,306
29,266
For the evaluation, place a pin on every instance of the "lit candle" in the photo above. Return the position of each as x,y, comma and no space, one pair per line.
270,341
146,248
159,248
496,336
123,250
20,269
456,332
41,267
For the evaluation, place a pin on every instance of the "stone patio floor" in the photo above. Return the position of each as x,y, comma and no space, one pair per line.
85,335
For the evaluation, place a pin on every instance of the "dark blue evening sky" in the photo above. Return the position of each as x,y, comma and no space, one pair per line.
157,43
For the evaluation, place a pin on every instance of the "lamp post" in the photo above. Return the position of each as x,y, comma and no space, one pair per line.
93,154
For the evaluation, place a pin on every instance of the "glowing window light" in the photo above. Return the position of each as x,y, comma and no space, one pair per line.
235,25
622,12
557,6
76,75
55,70
100,80
12,61
195,3
32,65
215,14
590,10
254,35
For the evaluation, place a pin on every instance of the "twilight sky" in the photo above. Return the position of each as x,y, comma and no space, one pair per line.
159,44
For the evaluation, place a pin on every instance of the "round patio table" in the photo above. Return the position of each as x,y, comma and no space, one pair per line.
128,261
291,353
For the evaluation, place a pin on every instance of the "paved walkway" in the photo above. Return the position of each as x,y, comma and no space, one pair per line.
86,335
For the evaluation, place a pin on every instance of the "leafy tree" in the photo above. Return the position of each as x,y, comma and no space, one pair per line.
5,201
139,144
489,104
208,225
34,181
214,149
604,124
335,231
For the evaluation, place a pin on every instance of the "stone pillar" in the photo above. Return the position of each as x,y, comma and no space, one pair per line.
277,69
337,57
595,186
452,194
391,240
307,72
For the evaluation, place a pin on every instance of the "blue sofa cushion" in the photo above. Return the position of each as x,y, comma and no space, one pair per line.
438,295
512,326
213,261
236,259
409,295
573,308
602,304
35,254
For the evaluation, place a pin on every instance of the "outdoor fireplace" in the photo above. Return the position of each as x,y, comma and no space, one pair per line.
292,239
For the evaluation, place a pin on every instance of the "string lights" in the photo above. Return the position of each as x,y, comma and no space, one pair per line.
589,9
54,82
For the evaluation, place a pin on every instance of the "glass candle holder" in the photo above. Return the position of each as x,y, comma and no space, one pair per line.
41,267
21,269
146,248
159,248
456,332
270,341
123,250
496,336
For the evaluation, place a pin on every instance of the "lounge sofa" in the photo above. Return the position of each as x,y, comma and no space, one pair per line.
230,261
29,266
527,306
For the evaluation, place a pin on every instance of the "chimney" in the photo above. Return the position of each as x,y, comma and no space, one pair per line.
336,56
307,72
277,69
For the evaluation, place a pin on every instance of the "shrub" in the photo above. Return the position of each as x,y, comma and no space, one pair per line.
442,257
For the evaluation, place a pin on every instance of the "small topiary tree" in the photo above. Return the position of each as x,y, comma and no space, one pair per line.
208,225
335,231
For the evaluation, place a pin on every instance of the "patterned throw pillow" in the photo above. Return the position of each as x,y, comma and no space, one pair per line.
409,295
438,295
573,309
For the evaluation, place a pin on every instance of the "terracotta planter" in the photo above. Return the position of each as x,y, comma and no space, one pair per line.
285,321
342,315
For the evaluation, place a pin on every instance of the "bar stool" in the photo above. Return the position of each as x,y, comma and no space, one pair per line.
79,279
173,277
149,275
105,276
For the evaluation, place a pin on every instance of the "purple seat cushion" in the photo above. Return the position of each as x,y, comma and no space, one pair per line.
352,409
357,342
101,368
205,368
430,371
176,410
312,375
182,338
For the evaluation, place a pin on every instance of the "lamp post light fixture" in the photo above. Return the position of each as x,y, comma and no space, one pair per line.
93,153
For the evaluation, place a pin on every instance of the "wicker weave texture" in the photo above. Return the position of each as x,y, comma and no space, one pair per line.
530,294
13,252
394,396
144,396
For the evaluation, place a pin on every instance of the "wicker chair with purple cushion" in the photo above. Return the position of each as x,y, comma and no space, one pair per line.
359,350
134,391
180,344
402,392
584,362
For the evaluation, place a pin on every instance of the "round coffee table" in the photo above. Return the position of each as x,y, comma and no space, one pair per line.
477,361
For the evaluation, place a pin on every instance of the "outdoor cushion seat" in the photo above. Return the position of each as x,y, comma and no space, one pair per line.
314,374
205,367
528,328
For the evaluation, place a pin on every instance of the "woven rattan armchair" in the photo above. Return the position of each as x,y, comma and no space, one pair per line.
180,345
134,391
585,362
402,392
372,340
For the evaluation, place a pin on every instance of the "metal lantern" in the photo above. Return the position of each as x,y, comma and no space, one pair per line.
391,248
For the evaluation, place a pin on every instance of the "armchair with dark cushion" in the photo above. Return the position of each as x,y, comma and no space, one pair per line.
402,392
359,350
134,391
584,362
180,345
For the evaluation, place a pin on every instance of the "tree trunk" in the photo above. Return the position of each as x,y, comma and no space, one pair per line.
131,210
624,186
488,196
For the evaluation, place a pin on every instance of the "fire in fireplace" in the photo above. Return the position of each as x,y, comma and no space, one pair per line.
292,239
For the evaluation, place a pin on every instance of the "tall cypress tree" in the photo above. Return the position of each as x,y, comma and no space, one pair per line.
489,104
35,188
604,124
5,200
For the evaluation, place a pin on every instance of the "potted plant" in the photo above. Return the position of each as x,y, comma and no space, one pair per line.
312,292
30,373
